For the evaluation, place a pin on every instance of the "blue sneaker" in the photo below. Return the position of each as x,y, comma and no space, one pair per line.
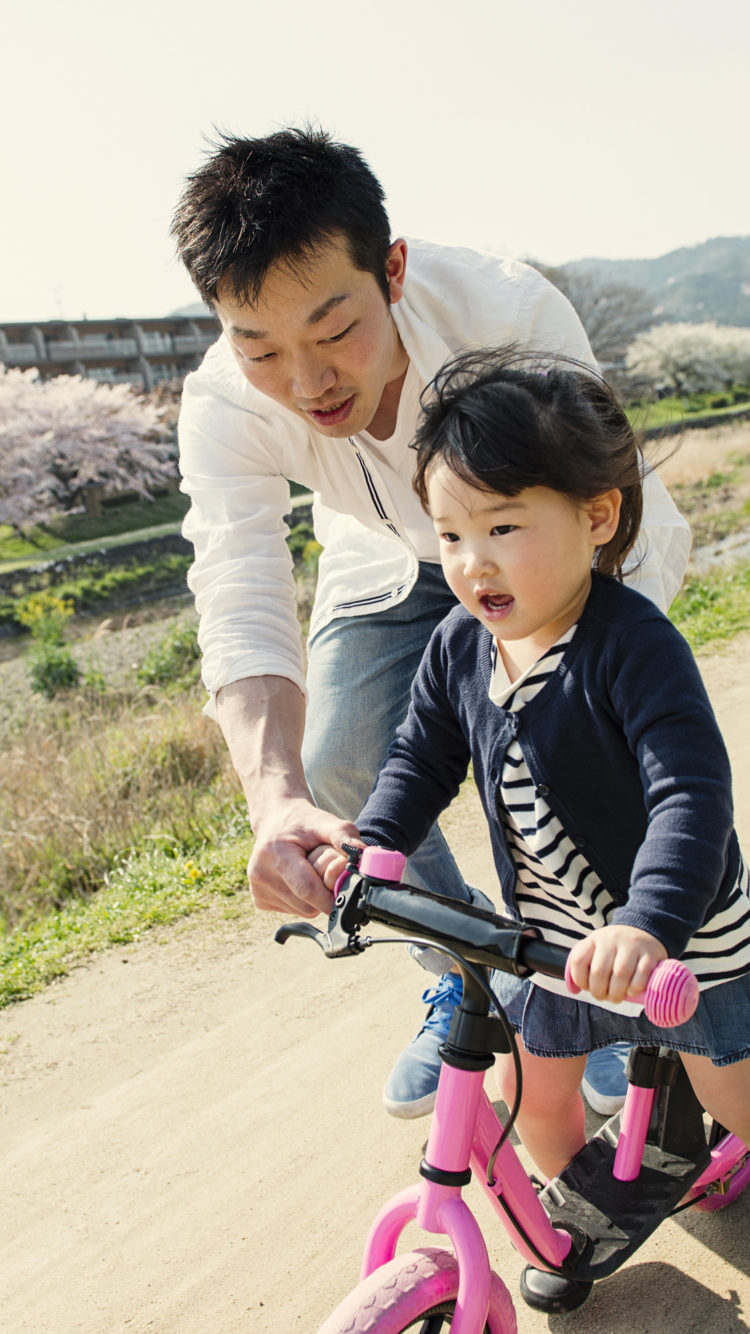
604,1082
412,1084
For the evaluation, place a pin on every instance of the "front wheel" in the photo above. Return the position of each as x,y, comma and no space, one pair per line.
417,1291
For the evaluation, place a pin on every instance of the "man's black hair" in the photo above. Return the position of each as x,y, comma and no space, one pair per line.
256,203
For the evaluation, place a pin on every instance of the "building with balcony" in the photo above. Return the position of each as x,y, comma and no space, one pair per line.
137,352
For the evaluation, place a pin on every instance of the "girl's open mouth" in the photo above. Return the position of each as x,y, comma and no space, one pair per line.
496,604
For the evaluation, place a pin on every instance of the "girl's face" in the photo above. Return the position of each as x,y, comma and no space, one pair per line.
520,564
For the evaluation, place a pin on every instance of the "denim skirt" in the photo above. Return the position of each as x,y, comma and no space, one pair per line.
553,1025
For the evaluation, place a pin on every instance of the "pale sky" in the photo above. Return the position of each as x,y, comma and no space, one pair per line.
552,129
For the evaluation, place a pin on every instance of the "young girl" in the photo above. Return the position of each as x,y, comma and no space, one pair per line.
597,756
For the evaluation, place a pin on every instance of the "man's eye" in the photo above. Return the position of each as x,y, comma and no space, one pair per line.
336,338
266,356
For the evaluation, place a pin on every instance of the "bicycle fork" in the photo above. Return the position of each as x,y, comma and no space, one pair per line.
463,1134
436,1203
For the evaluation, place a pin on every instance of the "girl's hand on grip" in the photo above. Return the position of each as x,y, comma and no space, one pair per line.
615,962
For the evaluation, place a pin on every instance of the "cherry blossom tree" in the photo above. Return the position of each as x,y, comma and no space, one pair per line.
691,358
61,436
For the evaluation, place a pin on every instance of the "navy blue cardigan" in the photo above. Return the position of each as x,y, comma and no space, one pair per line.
622,742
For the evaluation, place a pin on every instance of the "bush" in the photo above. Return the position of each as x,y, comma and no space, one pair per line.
175,658
45,614
52,668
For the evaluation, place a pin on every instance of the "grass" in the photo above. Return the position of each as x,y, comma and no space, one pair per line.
154,886
119,809
719,504
129,519
712,609
72,529
96,579
94,778
689,408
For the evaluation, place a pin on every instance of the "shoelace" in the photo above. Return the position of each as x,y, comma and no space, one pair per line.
443,999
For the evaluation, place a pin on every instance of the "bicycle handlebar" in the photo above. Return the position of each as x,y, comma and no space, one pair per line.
373,891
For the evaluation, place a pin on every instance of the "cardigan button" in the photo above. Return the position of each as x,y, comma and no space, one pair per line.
542,790
579,841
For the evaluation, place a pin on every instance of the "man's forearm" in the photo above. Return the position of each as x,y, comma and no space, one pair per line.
263,719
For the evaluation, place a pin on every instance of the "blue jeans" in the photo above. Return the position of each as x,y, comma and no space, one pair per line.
360,670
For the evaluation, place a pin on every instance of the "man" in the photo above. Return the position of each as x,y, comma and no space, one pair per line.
330,332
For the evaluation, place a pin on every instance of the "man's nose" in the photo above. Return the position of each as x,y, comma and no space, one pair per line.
311,378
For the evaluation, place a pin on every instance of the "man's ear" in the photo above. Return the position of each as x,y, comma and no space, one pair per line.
395,269
604,516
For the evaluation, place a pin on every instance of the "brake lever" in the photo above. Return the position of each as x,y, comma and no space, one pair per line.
342,937
300,929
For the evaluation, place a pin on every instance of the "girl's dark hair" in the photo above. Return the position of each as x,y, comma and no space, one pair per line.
504,420
259,202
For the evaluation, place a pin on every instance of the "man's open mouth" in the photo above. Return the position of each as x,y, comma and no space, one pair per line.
330,416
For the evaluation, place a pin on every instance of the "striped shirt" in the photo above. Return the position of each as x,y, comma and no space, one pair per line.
557,890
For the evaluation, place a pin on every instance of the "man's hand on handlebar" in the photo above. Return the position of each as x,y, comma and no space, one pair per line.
279,874
329,862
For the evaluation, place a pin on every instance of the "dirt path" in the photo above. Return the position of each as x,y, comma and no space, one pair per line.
192,1139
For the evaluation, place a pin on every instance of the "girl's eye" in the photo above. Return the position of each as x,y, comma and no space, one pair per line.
501,529
449,537
337,337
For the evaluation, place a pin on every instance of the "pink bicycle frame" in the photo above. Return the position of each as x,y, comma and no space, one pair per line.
464,1131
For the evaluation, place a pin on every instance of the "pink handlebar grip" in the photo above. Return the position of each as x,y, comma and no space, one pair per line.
382,864
671,996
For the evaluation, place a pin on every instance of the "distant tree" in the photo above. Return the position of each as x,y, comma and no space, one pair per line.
690,358
59,437
612,313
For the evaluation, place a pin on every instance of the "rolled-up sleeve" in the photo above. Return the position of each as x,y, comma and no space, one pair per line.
242,576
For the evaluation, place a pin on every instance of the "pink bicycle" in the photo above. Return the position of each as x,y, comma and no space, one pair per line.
649,1161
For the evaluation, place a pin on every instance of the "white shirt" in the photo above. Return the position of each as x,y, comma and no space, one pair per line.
238,448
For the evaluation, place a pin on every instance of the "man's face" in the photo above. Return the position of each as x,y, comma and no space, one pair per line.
322,342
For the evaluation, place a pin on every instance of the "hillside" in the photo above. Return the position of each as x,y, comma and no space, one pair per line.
710,281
